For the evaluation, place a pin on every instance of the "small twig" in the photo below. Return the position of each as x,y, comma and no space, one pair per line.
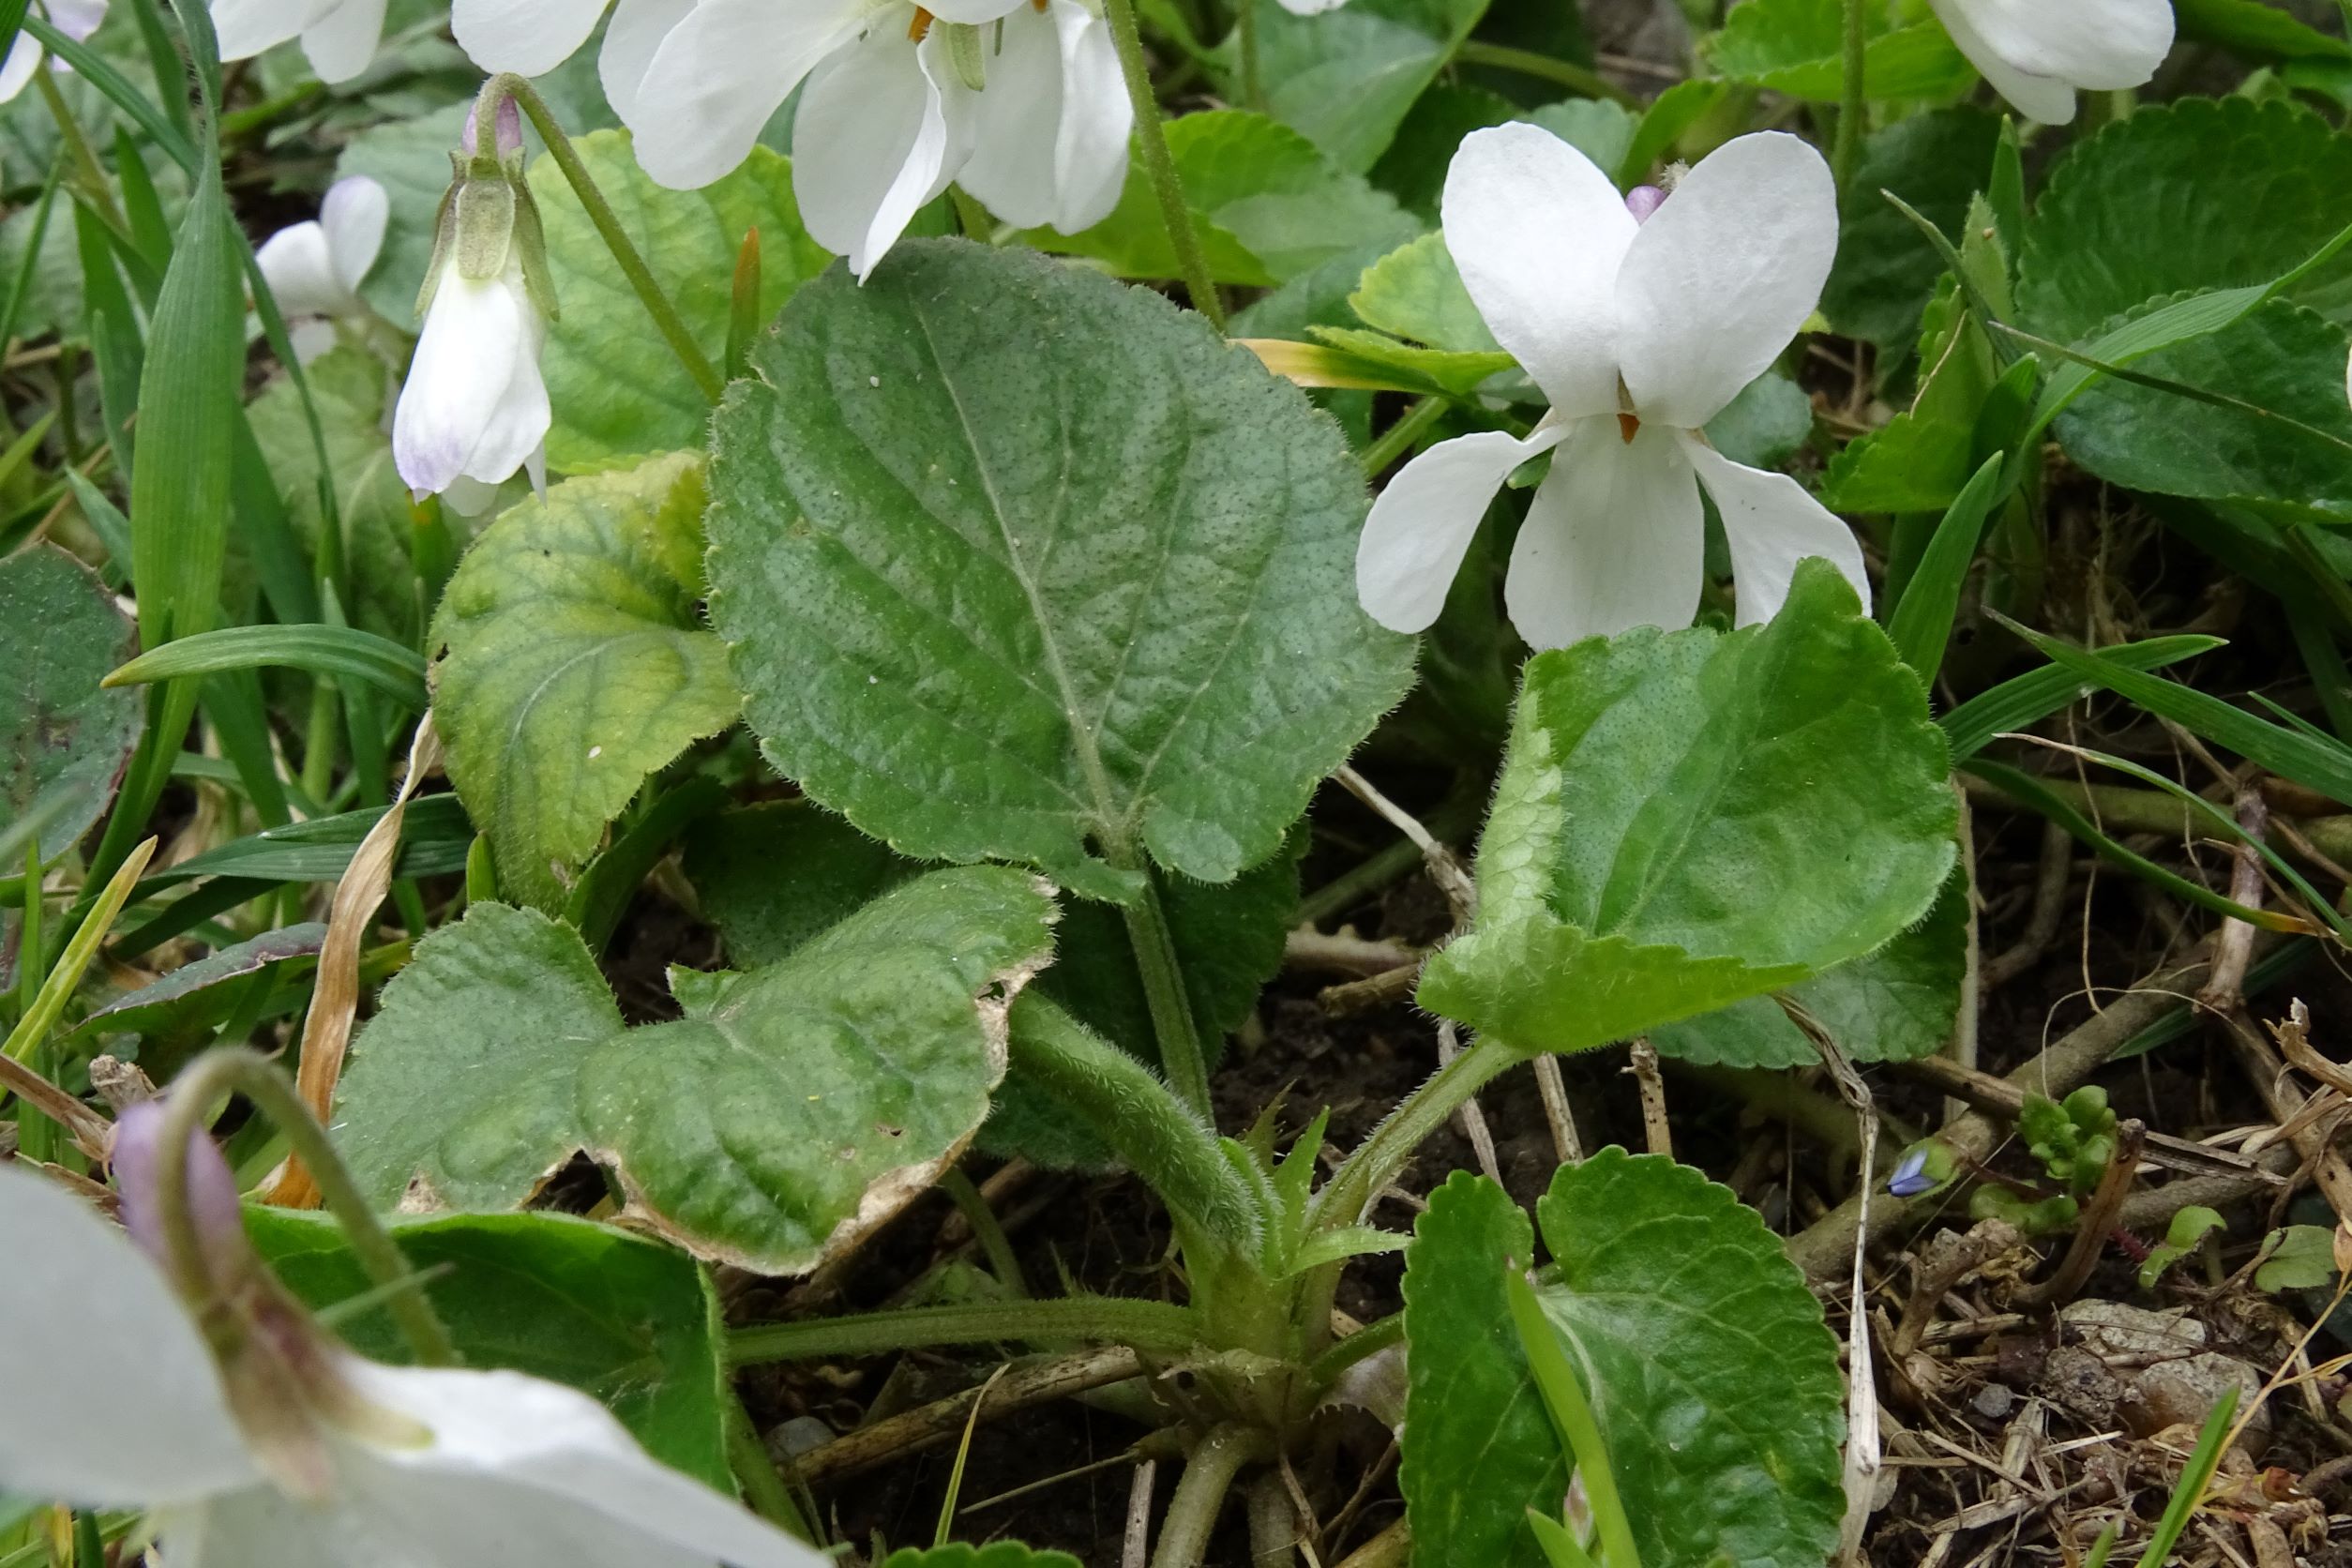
1352,997
2049,908
1471,1120
1642,1062
1445,867
1135,1551
1554,1088
2271,1080
943,1420
1345,953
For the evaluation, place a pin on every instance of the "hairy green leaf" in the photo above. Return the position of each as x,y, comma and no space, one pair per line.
64,736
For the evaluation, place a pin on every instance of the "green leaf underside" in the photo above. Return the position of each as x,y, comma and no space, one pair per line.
626,1321
2240,191
1749,810
773,876
577,664
201,991
64,738
1713,1377
617,389
801,1105
1891,1005
1479,1450
1015,562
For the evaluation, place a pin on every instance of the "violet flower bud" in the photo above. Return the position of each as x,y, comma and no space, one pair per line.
509,128
214,1206
1643,200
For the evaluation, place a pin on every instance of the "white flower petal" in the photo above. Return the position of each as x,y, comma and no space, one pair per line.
870,143
515,434
720,74
530,1474
1539,232
1614,539
529,37
478,337
1772,524
1015,124
1311,7
296,264
343,43
353,215
15,72
1090,156
2038,97
113,1399
973,11
313,338
76,19
1423,523
2101,44
1723,275
630,40
246,27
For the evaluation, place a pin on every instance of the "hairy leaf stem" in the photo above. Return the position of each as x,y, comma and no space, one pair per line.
1163,975
1853,110
1192,1513
672,325
236,1069
1423,1112
1159,164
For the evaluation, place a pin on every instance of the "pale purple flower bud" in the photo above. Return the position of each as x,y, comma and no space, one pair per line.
509,128
1910,1176
1643,200
213,1202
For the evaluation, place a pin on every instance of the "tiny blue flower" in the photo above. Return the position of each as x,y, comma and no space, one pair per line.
1910,1176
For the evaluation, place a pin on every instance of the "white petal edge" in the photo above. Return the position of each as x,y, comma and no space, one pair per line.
1615,538
870,143
112,1399
2101,44
343,43
1090,158
15,72
355,215
529,37
1017,125
2041,99
300,270
1538,234
1770,522
720,74
1723,275
246,27
465,361
553,1466
631,38
1423,523
76,19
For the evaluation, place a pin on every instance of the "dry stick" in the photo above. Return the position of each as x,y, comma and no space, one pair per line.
1473,1125
2329,1170
2098,1220
1566,1145
1861,1383
92,1131
1643,1063
1135,1551
2049,908
1821,1248
943,1420
1962,1047
1391,1548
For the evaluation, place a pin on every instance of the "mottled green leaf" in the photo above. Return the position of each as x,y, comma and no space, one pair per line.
1017,562
629,1322
1681,822
577,664
617,388
64,738
2239,191
1713,1378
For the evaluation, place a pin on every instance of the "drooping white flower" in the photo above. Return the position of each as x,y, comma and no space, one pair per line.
2037,53
315,268
1640,317
1022,101
474,407
257,1442
76,19
1311,7
339,37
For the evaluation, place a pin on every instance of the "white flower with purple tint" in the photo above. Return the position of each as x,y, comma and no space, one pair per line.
474,408
256,1441
76,19
1640,317
2037,53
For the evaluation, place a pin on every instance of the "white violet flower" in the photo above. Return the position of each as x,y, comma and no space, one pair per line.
2037,53
1022,101
1640,317
315,268
339,37
257,1441
76,19
474,408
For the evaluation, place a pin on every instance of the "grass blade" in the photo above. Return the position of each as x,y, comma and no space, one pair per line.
391,668
1921,623
2026,699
